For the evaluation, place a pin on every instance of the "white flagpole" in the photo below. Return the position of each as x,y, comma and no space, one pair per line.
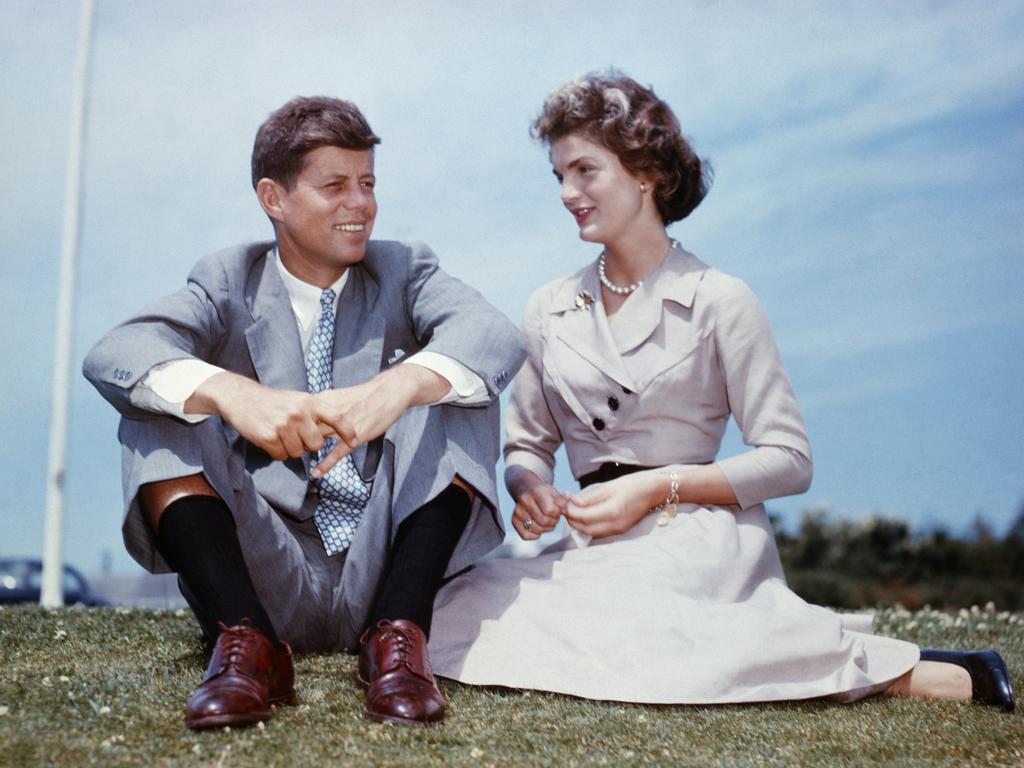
52,595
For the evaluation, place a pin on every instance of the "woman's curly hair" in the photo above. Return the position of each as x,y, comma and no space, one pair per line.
617,112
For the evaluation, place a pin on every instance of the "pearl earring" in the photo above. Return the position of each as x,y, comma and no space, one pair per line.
643,187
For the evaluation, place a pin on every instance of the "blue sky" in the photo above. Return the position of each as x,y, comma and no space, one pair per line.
869,185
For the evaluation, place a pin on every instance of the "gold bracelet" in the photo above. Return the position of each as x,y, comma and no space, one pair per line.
667,508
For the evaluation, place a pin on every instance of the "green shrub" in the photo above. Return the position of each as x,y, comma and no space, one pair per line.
879,561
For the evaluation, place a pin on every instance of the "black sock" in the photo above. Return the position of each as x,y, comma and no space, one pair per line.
197,538
423,546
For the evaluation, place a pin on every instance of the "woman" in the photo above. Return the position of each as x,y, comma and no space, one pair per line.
669,588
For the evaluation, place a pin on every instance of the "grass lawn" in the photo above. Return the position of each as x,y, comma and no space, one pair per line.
107,686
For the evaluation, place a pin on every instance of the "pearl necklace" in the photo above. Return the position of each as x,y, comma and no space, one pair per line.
623,290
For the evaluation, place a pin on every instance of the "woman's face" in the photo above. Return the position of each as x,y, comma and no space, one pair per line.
603,197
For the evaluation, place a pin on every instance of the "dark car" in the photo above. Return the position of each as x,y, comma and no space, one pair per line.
22,579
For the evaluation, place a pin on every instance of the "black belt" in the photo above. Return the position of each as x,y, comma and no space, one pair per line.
610,470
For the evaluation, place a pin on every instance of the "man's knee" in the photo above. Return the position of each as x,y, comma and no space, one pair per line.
154,498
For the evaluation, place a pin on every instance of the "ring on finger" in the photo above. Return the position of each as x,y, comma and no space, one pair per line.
528,523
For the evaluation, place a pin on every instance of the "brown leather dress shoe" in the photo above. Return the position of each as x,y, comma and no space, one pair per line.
246,675
395,671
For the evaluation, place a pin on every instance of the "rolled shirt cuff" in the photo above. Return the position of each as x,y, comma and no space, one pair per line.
466,387
167,386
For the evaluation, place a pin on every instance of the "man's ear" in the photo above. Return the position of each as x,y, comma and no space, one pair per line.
269,193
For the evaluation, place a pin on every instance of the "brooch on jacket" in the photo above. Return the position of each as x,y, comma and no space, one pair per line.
584,300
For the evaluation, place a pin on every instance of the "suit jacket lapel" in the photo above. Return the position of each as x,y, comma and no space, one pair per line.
358,339
273,338
358,332
276,352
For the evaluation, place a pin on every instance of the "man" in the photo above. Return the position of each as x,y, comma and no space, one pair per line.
309,432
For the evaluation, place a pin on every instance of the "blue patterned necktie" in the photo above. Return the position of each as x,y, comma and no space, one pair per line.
343,494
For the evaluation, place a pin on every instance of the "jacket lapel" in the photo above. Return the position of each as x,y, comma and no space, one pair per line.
585,328
358,332
358,341
276,352
273,338
676,280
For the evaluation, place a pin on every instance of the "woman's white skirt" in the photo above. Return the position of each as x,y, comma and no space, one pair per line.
693,612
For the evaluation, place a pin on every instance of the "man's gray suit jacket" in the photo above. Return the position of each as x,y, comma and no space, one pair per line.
235,313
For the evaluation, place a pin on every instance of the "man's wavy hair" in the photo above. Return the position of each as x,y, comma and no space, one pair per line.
615,111
303,124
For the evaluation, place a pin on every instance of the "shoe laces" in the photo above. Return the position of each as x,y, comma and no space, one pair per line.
400,638
398,641
232,642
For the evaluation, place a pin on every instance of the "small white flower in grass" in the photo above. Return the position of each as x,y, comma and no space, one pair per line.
1003,615
180,612
261,726
47,682
975,610
982,626
990,607
64,679
4,709
227,729
104,710
60,634
964,613
911,625
476,752
196,749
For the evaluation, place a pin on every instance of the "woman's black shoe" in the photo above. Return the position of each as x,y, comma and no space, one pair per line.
990,680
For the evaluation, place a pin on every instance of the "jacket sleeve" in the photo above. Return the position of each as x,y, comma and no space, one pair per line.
532,435
185,325
452,319
761,399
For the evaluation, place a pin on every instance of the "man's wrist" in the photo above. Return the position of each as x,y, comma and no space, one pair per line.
209,395
416,384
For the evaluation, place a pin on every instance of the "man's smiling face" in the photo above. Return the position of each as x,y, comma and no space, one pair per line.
324,220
